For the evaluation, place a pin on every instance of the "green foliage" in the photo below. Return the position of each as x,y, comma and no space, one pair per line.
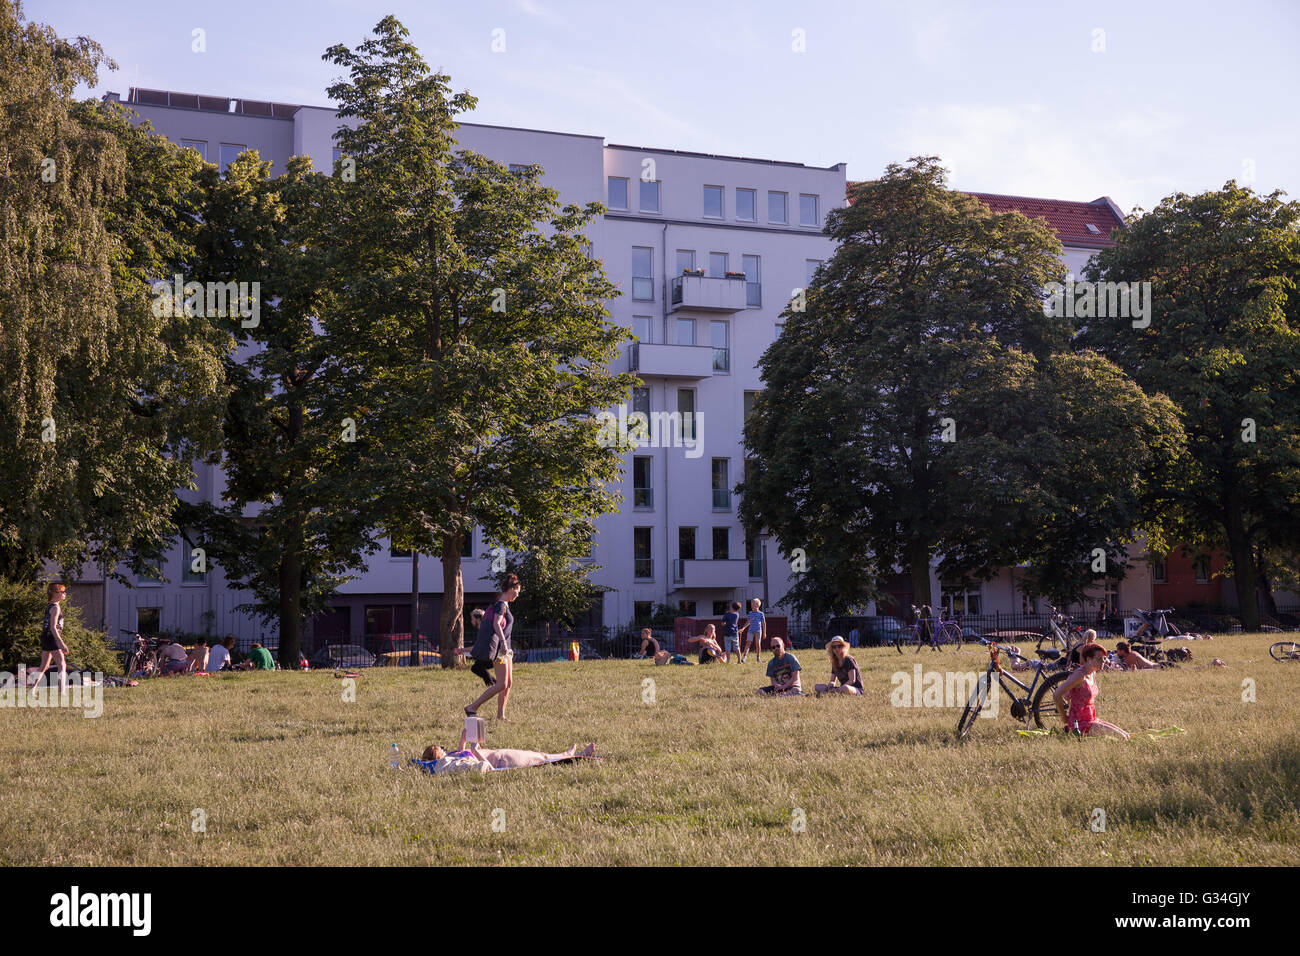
469,323
928,324
555,578
22,615
1224,344
129,398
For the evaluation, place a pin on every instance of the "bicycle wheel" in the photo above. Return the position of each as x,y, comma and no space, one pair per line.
1285,651
978,698
1043,710
950,633
906,636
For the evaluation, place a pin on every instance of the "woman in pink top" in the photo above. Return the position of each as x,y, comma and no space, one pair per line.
1080,688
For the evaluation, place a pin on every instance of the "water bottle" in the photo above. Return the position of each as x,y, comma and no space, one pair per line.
1077,732
397,758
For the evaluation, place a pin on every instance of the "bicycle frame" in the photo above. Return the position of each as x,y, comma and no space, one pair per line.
1040,670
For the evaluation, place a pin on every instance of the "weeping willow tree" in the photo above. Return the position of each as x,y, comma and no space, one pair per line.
103,405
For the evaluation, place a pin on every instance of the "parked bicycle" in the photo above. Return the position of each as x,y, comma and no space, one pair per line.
1285,651
927,632
1032,701
142,657
1062,635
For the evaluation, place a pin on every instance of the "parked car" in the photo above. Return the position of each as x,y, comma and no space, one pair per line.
382,644
303,663
402,658
342,655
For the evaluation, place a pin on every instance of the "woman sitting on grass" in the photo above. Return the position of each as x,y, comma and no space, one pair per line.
1081,690
710,649
474,759
844,669
649,646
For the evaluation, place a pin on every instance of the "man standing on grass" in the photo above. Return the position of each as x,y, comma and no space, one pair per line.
755,628
783,671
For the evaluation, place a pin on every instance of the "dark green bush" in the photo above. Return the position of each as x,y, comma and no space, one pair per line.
22,612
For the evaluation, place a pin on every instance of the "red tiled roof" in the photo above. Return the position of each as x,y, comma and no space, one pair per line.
1068,219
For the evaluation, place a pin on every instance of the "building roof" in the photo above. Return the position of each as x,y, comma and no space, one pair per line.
1087,224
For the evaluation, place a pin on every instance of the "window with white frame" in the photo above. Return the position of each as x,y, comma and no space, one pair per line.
752,266
617,192
808,210
643,553
776,208
229,153
643,275
641,326
199,146
685,260
685,331
712,202
721,483
961,598
747,205
686,411
1202,568
642,491
649,195
718,264
719,339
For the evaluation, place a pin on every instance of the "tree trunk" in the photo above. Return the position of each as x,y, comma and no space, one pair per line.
415,609
291,604
1267,604
919,565
1244,577
452,629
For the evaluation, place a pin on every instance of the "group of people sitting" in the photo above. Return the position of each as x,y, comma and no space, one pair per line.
173,658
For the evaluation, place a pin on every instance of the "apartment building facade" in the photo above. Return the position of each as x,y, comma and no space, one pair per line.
706,251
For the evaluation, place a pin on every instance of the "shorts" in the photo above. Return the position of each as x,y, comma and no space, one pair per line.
484,670
731,643
49,642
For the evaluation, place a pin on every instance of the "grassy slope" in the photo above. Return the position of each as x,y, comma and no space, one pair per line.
288,773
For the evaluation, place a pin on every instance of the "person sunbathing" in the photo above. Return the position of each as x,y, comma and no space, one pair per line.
500,759
1132,660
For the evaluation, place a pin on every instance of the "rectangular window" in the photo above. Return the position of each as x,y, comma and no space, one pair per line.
643,274
148,620
686,544
1202,568
721,483
649,196
229,153
960,599
812,266
718,338
686,409
718,264
199,146
641,400
776,208
686,608
807,210
1160,573
641,611
752,266
642,555
754,551
188,574
685,331
395,552
150,575
642,492
721,541
746,205
641,325
617,192
685,260
712,202
721,607
467,546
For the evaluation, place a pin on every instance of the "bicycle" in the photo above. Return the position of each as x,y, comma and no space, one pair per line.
1285,651
142,657
1062,635
927,631
1036,704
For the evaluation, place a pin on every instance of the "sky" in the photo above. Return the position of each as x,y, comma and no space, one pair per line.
1134,100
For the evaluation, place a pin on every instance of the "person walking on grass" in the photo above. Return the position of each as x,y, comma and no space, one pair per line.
844,669
731,632
53,649
756,629
1080,688
492,649
783,672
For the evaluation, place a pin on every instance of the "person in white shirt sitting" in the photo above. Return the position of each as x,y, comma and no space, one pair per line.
219,655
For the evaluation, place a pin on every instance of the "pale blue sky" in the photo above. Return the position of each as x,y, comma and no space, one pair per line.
1012,96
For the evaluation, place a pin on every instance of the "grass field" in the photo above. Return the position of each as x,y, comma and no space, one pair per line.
287,772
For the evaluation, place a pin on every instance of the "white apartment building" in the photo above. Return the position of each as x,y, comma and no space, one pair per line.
677,539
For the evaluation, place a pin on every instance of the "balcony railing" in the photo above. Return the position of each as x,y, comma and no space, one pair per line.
711,573
670,361
709,293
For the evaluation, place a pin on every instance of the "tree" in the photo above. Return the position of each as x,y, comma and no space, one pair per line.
1224,344
469,323
921,404
289,529
554,563
103,406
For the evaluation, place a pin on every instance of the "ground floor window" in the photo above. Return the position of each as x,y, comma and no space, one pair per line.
961,598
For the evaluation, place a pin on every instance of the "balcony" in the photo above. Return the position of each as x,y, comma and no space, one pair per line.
715,574
708,293
670,361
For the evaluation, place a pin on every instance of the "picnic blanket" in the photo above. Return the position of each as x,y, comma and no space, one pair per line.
1153,734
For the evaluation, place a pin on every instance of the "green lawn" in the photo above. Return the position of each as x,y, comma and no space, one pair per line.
288,773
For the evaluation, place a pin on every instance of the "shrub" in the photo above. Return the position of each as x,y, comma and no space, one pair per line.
22,613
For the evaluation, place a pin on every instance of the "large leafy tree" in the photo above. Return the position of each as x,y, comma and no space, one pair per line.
922,405
468,322
103,405
288,529
1224,344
